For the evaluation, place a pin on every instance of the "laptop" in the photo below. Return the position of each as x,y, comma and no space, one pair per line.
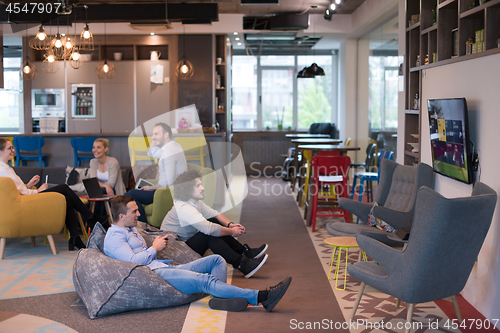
93,189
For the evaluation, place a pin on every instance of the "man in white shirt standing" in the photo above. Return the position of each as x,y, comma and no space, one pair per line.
202,227
171,163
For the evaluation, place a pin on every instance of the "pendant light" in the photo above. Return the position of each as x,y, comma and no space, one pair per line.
50,64
75,60
86,37
314,69
41,41
184,69
28,69
105,69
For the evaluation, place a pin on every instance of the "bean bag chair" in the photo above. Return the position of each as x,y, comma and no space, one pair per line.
108,286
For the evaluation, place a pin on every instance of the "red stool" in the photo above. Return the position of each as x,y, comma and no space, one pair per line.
331,171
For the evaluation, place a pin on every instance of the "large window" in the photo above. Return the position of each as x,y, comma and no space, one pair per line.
267,93
11,96
383,102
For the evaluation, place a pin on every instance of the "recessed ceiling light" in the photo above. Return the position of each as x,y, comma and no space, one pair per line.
152,33
333,6
63,35
239,43
235,33
237,38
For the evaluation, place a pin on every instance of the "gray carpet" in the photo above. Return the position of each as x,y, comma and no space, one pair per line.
275,219
66,308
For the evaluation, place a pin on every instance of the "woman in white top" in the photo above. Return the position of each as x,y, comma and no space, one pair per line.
106,168
73,202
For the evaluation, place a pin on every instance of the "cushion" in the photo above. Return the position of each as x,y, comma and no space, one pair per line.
108,286
83,173
380,224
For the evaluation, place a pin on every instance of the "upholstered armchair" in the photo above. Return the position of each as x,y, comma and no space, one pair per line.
33,215
163,200
396,194
445,240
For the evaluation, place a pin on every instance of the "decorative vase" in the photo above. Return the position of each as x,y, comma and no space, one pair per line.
280,127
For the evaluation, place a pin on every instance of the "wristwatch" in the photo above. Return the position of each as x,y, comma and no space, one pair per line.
229,224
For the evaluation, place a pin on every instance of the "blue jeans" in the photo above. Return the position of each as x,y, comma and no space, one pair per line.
142,197
206,275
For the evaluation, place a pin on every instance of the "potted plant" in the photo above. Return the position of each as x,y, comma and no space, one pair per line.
280,120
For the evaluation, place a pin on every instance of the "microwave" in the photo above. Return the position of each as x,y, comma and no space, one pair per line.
47,100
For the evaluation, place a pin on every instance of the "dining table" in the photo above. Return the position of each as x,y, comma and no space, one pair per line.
315,148
304,141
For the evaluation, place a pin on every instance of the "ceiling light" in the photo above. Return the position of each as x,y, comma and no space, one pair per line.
57,41
105,69
28,69
40,41
333,6
41,35
239,44
86,37
237,38
235,33
152,33
184,69
337,2
50,64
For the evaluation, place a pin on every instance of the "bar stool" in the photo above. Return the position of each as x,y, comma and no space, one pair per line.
25,147
342,243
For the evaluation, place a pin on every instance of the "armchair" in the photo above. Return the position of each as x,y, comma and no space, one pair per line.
446,237
396,195
29,215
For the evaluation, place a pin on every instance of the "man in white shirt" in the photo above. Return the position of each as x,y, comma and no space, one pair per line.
171,163
202,227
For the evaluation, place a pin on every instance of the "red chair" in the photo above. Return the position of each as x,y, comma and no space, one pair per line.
329,171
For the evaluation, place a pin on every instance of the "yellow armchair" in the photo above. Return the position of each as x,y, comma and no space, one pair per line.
29,215
163,200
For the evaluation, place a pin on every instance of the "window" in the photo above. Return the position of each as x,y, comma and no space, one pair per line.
11,96
266,92
383,85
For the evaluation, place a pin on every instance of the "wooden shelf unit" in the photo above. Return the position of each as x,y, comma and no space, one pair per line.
221,82
433,35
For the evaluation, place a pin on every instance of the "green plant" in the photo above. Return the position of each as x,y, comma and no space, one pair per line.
280,120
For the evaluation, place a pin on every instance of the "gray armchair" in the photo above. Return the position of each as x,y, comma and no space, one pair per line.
396,194
446,237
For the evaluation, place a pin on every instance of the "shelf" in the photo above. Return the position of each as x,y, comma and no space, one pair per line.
223,64
434,27
414,112
415,69
458,59
476,10
447,3
411,27
412,154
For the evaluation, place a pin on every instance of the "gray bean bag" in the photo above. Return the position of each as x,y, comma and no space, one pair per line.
108,286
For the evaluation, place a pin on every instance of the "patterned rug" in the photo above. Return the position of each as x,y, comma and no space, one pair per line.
376,312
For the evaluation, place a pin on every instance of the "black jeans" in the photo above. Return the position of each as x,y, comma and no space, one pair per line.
226,246
72,202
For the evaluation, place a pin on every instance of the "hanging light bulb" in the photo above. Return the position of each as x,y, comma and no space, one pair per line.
57,41
75,60
86,37
105,67
86,32
184,69
28,69
41,35
50,64
68,43
333,6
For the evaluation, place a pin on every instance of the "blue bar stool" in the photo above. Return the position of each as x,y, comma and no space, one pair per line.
26,147
82,148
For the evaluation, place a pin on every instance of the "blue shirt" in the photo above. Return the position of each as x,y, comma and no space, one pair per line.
127,244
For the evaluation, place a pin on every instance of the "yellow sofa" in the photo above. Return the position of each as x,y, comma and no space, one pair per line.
29,215
163,200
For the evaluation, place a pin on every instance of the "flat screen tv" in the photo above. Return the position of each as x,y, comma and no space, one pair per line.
450,142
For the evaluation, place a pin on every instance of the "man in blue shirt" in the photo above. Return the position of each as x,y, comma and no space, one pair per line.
205,275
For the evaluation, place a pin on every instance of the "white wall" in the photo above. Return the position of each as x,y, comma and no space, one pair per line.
477,80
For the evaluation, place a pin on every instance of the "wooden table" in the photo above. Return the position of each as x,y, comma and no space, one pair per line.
306,135
342,149
297,142
104,199
342,243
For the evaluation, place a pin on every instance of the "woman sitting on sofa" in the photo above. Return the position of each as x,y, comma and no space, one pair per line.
106,168
72,200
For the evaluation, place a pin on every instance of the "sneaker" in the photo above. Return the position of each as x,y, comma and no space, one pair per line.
234,304
250,266
255,253
275,293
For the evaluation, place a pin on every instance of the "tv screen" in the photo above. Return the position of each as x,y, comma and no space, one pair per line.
449,129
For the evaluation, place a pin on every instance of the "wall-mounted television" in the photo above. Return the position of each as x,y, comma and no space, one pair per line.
450,142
